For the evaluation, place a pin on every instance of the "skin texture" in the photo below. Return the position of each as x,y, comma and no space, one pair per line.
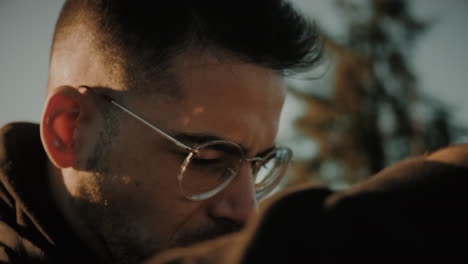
130,198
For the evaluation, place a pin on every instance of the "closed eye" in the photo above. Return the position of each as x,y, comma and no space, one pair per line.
205,162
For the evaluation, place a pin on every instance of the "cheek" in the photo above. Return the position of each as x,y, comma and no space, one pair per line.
150,171
149,190
142,188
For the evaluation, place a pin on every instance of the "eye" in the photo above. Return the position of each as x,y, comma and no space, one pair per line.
207,157
205,162
209,154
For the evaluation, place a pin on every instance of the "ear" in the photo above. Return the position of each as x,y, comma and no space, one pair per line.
59,124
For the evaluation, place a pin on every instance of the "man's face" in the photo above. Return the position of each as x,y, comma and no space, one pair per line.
140,207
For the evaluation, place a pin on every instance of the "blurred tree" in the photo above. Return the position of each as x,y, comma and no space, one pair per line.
374,115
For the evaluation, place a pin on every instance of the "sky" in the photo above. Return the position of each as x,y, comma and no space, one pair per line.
440,59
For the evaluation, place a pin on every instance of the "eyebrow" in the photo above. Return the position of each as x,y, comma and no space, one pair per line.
200,138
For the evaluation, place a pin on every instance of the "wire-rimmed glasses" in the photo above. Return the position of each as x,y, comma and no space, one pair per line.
211,166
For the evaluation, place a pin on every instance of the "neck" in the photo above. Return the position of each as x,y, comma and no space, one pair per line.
64,200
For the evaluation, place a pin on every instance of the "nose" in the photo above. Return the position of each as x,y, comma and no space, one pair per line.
237,202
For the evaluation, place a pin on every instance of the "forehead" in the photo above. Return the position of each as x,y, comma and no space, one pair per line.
229,98
206,75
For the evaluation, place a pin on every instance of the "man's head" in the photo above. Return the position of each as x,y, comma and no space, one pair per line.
197,70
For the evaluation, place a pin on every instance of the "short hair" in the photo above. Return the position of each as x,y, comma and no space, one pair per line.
269,33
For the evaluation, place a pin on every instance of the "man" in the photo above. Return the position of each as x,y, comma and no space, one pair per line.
158,130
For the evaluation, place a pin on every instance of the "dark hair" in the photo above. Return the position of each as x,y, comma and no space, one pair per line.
270,33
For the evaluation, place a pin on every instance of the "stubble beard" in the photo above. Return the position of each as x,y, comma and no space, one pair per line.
113,230
114,226
120,235
105,217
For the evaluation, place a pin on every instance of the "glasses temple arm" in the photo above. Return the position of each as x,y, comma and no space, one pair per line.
175,141
148,124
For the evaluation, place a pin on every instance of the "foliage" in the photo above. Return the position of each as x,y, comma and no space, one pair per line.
375,114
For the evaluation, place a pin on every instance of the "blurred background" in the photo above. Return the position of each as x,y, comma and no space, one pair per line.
391,85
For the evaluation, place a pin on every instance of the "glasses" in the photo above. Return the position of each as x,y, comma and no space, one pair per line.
209,167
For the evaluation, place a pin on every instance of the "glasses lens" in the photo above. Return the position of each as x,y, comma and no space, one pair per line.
210,169
271,171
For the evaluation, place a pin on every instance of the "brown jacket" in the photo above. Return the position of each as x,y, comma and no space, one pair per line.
32,230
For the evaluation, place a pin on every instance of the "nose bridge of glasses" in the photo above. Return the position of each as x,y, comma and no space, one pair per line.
254,163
